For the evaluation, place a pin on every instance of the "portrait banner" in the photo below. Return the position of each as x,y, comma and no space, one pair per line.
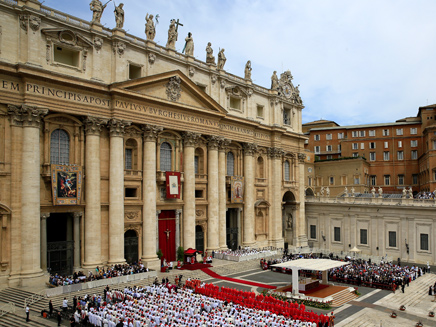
237,186
66,183
173,184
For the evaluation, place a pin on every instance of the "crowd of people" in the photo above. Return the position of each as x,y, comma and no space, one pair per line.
426,195
196,304
99,273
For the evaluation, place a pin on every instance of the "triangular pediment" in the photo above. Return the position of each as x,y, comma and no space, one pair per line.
173,88
67,36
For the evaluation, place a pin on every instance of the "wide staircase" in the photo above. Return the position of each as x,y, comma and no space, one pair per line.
343,297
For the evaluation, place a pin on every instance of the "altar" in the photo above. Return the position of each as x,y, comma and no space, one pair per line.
307,284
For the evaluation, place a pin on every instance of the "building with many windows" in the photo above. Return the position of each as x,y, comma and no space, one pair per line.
392,156
113,147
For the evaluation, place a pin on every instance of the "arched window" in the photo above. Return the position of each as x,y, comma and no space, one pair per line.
59,147
260,169
230,164
165,156
287,171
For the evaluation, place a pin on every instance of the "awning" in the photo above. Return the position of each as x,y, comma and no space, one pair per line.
312,264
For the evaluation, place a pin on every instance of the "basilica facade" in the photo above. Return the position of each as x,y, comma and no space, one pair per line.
114,148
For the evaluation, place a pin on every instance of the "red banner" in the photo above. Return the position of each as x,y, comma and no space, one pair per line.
167,234
173,184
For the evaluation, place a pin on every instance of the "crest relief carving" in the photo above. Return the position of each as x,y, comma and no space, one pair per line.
174,89
287,90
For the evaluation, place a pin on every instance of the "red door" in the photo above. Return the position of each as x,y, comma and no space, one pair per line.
167,234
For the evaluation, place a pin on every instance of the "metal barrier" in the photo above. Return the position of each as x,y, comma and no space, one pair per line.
35,298
7,308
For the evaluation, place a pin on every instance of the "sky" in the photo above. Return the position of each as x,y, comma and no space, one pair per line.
357,62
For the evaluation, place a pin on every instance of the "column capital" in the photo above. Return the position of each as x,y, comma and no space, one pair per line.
44,215
190,139
25,115
250,149
213,142
178,211
78,215
275,153
117,126
301,157
223,145
93,125
151,132
158,213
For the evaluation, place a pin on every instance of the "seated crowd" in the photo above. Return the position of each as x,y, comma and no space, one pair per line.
196,304
100,273
242,251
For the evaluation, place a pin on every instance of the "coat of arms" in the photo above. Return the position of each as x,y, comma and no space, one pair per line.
173,88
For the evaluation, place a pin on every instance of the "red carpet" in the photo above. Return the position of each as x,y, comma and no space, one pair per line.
195,266
240,281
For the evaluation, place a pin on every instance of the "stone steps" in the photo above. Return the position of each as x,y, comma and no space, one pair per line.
343,297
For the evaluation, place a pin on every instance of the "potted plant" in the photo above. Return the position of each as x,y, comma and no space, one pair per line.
393,314
180,253
419,324
431,314
402,308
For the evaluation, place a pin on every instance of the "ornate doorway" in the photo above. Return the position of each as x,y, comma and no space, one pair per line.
60,244
167,234
131,246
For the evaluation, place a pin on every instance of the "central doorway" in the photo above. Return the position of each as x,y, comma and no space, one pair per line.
60,244
232,229
167,234
131,246
199,238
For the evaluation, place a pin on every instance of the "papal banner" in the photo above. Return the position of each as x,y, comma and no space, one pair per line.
66,184
237,186
173,184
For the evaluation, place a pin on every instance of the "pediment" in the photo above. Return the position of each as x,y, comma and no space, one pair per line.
173,88
67,36
236,91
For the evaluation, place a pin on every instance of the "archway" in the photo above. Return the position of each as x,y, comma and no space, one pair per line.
199,238
309,192
131,246
288,218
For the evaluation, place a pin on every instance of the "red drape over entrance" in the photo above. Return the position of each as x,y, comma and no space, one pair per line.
167,234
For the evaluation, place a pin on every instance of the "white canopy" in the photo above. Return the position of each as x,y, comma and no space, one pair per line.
355,249
312,264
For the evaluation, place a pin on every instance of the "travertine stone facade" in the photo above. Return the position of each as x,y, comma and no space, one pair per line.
125,111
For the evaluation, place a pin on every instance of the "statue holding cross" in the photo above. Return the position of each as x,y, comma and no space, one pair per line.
173,34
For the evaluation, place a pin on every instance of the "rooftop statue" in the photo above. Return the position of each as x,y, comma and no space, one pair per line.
189,45
274,81
210,58
97,10
221,59
119,15
247,71
150,30
172,35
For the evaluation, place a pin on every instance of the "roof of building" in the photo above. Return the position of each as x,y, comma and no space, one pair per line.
365,126
312,264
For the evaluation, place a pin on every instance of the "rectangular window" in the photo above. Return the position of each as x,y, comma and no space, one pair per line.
286,117
400,144
313,231
434,145
400,155
372,156
309,181
329,157
130,192
386,155
316,137
66,56
371,132
373,180
235,103
328,148
337,234
414,130
196,160
328,136
372,145
340,136
356,180
355,154
259,111
362,146
392,239
363,236
198,194
354,134
317,149
339,147
134,71
387,180
386,145
399,131
331,180
413,143
128,159
415,179
424,242
355,146
362,133
400,179
414,154
385,132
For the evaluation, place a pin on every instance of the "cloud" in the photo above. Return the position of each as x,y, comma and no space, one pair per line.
361,61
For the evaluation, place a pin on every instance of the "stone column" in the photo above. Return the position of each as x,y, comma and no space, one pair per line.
222,193
190,141
157,230
76,238
212,194
275,216
301,215
92,195
44,216
249,151
178,212
116,191
149,219
30,194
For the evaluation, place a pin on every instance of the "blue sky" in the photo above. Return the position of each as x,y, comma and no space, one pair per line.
357,62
